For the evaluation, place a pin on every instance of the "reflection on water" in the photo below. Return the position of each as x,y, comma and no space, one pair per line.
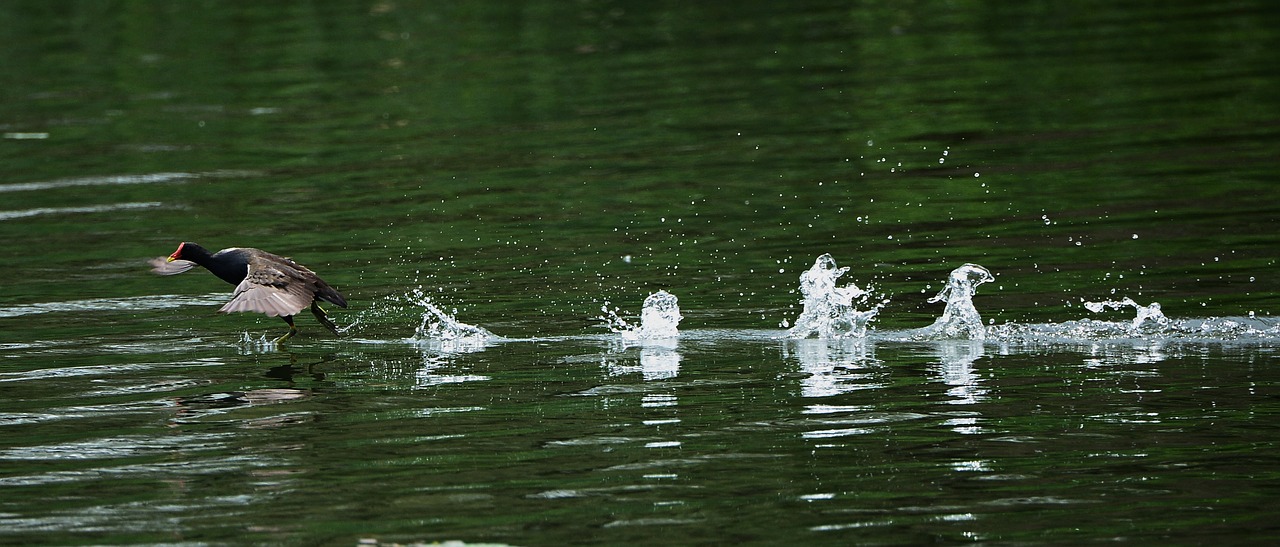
955,368
643,431
832,367
657,359
437,369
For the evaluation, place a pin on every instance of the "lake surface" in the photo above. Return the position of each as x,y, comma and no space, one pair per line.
493,185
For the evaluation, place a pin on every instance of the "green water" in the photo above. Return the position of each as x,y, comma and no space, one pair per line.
523,163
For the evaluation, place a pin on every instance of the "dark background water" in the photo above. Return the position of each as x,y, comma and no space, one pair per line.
525,162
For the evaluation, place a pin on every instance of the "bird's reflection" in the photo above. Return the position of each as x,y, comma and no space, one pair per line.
292,371
198,407
194,407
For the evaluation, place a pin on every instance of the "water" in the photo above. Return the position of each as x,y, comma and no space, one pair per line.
480,179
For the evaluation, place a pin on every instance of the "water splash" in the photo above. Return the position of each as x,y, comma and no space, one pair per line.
392,317
1149,325
438,326
250,344
659,318
613,319
829,311
960,320
1148,317
1196,330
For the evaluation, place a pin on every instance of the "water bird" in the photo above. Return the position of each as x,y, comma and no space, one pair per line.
265,282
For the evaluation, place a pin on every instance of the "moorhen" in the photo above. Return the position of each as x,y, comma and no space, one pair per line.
265,283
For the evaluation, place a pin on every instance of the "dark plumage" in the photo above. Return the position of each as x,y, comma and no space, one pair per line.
265,283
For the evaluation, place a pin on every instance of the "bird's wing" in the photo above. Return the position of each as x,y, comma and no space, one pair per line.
267,289
161,266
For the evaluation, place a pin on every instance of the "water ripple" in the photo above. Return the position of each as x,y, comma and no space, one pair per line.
155,302
97,370
115,447
148,178
24,213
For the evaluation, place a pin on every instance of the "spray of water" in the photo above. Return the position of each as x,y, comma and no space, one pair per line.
960,319
437,325
1147,318
659,318
829,311
1149,324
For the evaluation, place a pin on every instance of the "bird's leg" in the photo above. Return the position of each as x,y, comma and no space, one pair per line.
322,318
293,329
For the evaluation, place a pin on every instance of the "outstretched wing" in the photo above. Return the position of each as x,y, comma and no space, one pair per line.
161,266
267,289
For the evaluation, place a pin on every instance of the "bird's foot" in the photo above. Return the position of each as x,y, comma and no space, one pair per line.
323,318
292,331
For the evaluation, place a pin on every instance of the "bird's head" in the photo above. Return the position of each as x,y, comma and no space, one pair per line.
177,255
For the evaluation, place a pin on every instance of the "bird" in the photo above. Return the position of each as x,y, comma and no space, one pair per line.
265,282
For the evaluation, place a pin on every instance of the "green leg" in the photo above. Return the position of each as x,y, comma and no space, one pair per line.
293,329
322,317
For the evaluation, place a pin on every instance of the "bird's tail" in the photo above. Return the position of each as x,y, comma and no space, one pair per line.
330,294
